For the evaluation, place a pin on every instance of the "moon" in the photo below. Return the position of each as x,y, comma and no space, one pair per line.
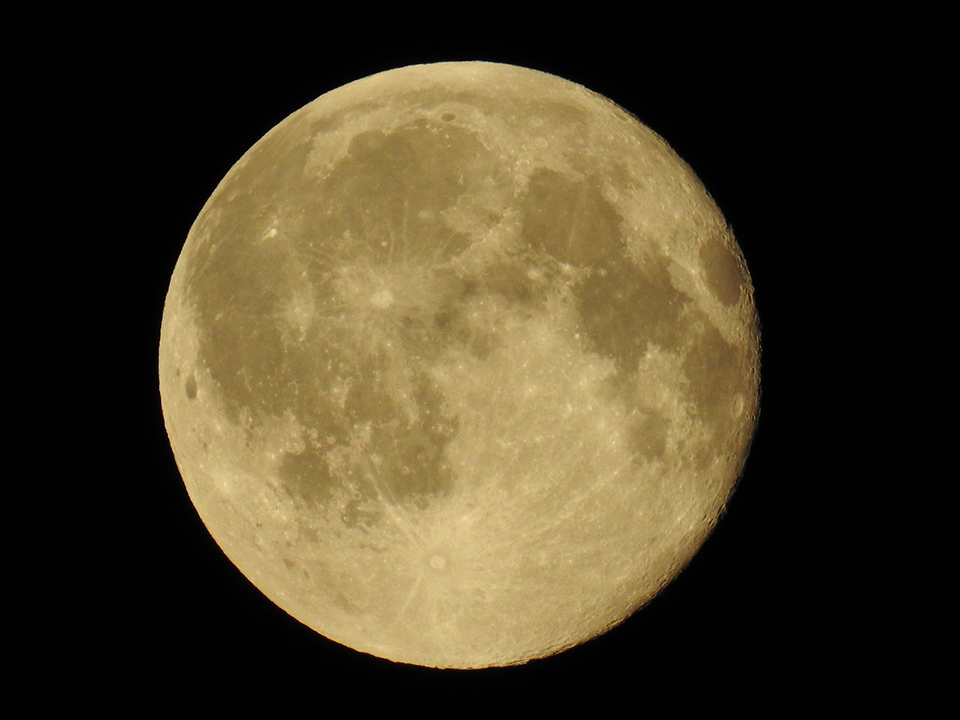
460,364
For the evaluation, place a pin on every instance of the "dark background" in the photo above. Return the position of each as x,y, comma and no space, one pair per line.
782,605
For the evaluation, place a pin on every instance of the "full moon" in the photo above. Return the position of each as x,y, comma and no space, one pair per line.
460,364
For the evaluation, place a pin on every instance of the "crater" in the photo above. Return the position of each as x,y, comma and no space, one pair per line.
190,387
382,299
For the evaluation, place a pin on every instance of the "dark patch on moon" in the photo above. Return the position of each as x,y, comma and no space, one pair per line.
714,369
392,188
570,219
306,475
723,271
190,387
555,113
648,433
625,307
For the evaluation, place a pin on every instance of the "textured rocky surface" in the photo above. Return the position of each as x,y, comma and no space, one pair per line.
459,364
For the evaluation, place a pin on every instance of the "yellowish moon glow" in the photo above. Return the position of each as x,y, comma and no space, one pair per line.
459,364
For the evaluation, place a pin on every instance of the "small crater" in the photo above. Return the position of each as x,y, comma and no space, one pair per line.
448,117
382,299
738,405
622,115
345,604
438,562
190,387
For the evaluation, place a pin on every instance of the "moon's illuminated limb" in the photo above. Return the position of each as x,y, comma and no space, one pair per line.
459,364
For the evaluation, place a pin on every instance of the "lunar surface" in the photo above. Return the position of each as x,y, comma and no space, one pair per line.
459,364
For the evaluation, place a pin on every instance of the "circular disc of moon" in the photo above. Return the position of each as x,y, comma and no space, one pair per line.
459,364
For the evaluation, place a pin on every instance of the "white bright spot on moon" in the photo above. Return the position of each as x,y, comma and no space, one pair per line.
491,381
